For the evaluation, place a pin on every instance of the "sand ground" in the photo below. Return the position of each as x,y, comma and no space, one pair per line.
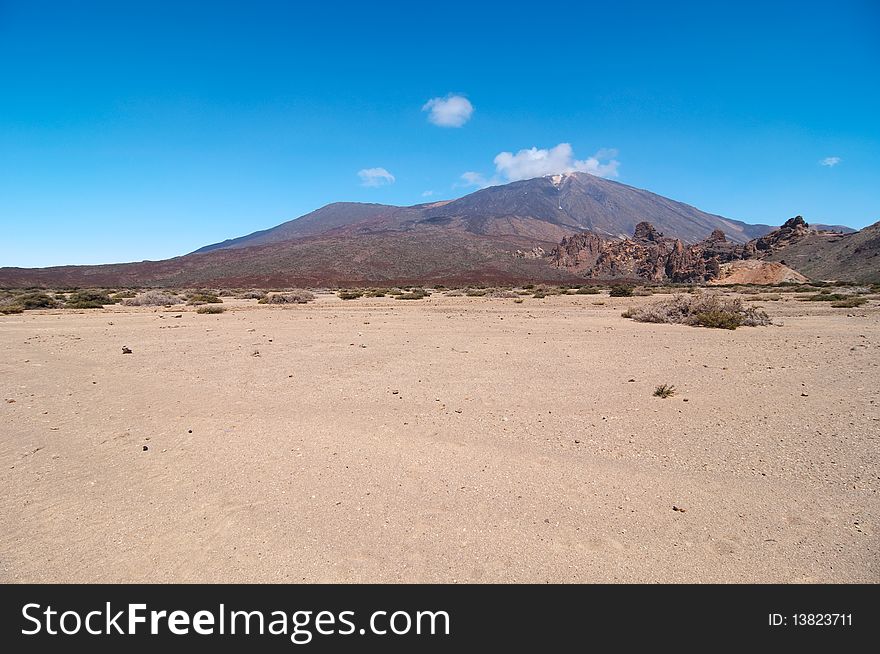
443,440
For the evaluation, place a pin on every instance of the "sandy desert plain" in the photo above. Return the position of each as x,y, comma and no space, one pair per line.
452,439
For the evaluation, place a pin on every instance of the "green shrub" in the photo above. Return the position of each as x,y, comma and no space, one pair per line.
621,290
349,295
203,298
826,296
298,296
664,391
717,319
35,301
89,300
587,290
10,308
211,308
123,295
849,303
415,294
476,292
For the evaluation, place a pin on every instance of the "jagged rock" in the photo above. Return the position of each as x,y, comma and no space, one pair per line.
650,256
645,231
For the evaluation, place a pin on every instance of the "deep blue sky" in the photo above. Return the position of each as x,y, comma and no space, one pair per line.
134,130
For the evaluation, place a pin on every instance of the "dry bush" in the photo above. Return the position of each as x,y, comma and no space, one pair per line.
849,303
251,295
296,296
501,293
211,308
701,310
152,299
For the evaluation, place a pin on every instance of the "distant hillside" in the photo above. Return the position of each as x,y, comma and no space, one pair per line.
854,256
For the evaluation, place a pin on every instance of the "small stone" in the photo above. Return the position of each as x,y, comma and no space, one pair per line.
126,350
189,431
146,448
679,509
805,395
394,392
630,380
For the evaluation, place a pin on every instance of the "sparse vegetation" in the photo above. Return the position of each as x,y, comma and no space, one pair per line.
152,299
587,290
35,301
664,390
123,295
297,296
414,294
211,308
476,292
701,310
849,303
203,298
252,295
621,290
350,295
89,300
826,296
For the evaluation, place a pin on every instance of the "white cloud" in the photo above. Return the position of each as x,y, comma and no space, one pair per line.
375,177
451,111
427,194
471,178
830,161
535,162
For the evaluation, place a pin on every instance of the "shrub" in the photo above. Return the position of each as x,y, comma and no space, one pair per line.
415,294
350,295
35,301
211,308
826,296
123,295
664,391
587,290
518,300
203,298
152,299
621,290
700,310
849,303
476,292
252,295
501,293
378,292
297,296
89,300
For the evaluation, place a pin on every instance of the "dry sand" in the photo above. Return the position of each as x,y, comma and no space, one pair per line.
442,440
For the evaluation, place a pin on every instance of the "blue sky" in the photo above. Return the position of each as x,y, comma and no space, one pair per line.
143,130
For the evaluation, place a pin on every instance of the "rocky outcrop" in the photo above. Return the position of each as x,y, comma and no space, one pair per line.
793,230
651,256
647,255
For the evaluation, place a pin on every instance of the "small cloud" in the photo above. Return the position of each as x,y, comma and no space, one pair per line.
451,111
830,162
427,194
375,177
471,178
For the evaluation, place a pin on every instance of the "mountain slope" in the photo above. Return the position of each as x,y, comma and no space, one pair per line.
822,255
331,216
579,202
